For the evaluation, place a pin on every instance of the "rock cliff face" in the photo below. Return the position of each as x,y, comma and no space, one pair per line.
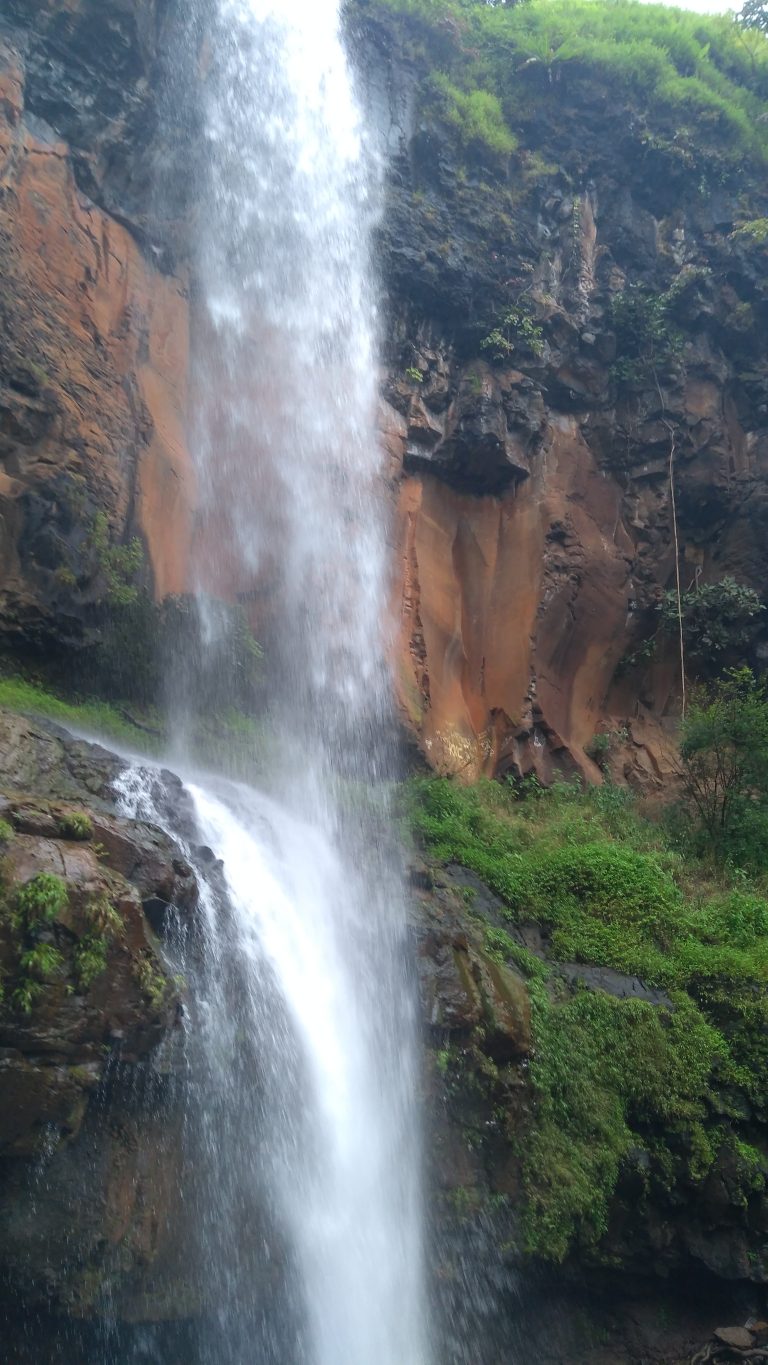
93,332
531,474
534,516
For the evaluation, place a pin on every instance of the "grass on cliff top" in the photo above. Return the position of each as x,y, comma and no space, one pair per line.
618,1080
103,719
227,741
701,79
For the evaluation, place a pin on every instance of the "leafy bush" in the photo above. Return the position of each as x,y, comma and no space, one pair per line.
517,330
647,342
720,622
724,768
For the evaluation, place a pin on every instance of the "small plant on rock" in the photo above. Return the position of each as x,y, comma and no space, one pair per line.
41,900
76,825
517,330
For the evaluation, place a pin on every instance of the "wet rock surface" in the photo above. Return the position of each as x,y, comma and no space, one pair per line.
89,1036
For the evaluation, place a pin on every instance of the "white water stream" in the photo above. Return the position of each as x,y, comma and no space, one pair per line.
305,1155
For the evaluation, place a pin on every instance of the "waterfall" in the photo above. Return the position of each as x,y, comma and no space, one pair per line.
303,1144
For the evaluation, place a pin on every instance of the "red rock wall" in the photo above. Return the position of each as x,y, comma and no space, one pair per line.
95,342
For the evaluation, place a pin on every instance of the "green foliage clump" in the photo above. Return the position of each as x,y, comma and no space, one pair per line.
76,825
475,115
33,910
724,768
611,1076
753,230
720,621
151,982
647,342
90,955
41,900
118,565
517,330
7,832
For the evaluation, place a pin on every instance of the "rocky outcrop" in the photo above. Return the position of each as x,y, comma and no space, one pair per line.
89,1129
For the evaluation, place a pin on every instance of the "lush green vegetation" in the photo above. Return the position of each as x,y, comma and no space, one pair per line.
702,80
615,1077
720,622
476,115
30,914
647,342
724,769
76,825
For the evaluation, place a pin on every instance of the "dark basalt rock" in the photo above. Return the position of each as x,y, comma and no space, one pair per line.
89,1125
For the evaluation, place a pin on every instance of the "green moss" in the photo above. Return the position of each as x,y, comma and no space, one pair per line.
615,1077
501,948
7,832
100,717
610,1076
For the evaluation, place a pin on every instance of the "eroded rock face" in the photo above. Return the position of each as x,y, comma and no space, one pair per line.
532,474
93,335
90,1122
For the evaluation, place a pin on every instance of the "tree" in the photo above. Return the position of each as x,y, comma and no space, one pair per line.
720,623
724,768
755,15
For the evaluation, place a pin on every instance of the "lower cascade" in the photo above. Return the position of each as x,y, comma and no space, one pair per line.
300,1128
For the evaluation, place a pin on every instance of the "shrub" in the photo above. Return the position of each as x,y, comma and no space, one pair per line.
724,768
516,331
647,342
720,622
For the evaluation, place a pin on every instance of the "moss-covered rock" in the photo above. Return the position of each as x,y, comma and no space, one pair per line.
630,1128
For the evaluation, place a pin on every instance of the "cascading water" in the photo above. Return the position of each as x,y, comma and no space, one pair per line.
303,1151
